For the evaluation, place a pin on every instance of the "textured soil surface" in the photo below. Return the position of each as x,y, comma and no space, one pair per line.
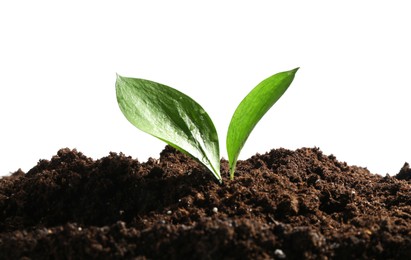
282,205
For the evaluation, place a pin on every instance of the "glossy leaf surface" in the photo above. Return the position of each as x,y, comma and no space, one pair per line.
172,117
251,109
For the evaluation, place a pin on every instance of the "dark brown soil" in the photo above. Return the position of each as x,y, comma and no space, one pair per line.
282,205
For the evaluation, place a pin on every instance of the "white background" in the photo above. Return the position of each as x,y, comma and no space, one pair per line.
351,96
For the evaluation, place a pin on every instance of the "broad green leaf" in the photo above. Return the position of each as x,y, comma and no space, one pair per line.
172,117
251,110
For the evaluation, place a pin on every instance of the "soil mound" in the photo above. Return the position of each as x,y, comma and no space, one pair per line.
281,205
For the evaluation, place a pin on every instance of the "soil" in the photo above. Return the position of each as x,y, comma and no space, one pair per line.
281,205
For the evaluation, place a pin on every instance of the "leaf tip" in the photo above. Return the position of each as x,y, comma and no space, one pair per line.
295,70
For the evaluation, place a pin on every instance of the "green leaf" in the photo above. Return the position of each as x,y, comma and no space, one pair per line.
251,110
172,117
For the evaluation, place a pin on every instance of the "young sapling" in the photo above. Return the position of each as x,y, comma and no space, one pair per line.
181,122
